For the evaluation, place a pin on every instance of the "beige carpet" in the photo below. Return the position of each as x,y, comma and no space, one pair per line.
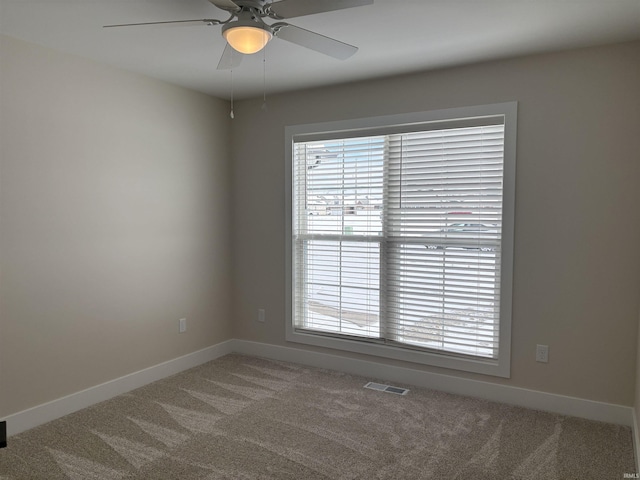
241,417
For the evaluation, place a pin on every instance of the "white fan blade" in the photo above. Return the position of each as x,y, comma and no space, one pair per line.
230,58
225,5
315,41
173,23
298,8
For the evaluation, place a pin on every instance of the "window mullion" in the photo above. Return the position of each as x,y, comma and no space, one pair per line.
384,252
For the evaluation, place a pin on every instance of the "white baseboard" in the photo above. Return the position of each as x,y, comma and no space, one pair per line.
636,439
32,417
604,412
549,402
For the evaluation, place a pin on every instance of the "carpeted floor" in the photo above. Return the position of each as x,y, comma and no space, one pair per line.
242,417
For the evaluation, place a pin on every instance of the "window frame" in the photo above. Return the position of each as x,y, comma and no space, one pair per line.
500,367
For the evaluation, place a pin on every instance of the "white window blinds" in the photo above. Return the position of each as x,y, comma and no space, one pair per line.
397,237
443,226
338,205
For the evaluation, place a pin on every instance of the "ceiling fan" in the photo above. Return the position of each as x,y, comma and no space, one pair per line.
246,31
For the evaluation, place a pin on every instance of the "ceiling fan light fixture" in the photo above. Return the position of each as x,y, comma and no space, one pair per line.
247,37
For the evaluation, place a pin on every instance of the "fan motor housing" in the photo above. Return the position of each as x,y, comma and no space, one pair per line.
257,4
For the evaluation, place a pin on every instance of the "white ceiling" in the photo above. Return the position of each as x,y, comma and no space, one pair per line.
394,36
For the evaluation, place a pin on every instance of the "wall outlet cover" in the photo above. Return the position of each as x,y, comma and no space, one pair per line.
542,353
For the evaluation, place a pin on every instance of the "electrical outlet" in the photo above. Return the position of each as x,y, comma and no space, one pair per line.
261,315
182,325
542,353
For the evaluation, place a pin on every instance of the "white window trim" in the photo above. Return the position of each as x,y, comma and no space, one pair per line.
500,367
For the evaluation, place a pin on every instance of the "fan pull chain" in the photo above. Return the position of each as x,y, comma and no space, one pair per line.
264,79
231,113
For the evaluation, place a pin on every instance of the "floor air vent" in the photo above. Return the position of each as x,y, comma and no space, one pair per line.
386,388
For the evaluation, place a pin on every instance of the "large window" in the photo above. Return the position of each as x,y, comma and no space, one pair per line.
400,236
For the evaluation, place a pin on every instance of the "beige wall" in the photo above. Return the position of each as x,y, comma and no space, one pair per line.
116,206
114,214
577,232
